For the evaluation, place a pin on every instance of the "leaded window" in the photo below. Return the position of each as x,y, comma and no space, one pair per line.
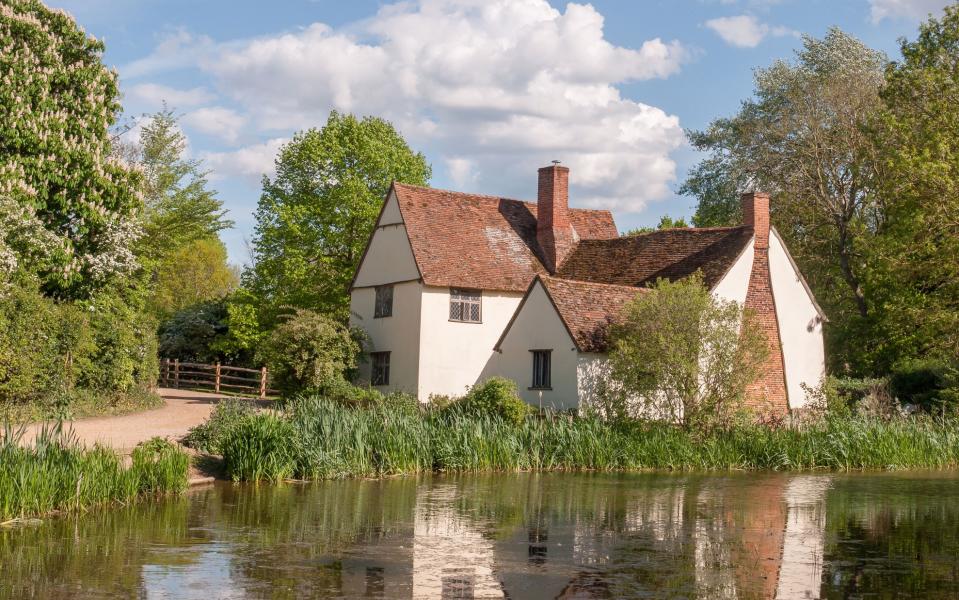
381,368
384,302
466,306
541,369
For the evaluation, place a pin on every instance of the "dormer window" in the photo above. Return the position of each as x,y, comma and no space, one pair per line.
384,302
466,306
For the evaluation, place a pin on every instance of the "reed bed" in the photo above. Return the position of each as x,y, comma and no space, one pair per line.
55,473
320,439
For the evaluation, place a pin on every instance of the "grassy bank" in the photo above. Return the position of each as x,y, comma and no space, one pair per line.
80,404
315,438
56,474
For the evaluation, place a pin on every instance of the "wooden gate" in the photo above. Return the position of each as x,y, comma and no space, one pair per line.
220,379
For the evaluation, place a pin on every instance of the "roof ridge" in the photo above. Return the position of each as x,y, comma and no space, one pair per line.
633,288
489,196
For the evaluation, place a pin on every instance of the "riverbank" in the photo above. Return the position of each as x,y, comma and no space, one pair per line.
315,438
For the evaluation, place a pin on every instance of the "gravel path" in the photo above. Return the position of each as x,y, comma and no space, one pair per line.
183,410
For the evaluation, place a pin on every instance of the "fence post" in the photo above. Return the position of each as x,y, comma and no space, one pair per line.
176,373
262,382
217,386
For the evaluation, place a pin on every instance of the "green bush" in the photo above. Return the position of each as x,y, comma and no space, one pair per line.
209,436
930,384
309,351
497,396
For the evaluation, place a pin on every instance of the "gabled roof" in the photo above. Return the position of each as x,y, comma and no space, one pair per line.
670,253
586,309
482,242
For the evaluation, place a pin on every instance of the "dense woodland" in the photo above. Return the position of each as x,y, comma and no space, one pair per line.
110,252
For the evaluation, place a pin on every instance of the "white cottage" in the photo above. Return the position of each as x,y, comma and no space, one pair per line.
454,288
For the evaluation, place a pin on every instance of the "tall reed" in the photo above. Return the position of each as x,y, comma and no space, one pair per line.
55,473
319,439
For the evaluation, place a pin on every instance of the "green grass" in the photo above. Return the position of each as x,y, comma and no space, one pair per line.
319,439
56,474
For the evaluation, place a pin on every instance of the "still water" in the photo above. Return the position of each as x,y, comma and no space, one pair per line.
510,536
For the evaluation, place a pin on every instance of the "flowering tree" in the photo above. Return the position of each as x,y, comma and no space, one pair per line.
57,178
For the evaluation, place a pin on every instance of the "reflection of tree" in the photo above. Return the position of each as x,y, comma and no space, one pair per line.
902,541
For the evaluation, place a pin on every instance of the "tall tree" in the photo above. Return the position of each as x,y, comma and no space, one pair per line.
316,214
918,135
179,205
802,137
57,102
195,273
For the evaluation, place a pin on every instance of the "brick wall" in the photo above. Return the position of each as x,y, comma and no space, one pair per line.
767,395
553,229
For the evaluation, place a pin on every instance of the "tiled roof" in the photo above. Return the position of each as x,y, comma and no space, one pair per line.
670,253
483,242
588,309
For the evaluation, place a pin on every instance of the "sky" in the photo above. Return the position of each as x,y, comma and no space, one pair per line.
488,90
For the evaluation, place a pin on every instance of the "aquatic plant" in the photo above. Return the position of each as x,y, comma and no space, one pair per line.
319,439
55,473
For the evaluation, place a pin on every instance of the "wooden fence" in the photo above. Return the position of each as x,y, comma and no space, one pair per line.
221,379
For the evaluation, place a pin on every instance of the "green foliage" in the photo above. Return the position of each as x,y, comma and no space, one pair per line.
56,172
308,351
192,334
681,354
52,351
196,273
497,396
665,222
209,436
179,206
316,215
56,474
916,280
802,138
930,384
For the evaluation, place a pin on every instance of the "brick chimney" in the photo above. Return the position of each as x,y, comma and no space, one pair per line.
553,230
756,215
767,395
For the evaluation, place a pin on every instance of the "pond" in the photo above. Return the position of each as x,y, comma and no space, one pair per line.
510,536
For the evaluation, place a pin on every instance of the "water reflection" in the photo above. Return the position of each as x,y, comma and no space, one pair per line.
770,536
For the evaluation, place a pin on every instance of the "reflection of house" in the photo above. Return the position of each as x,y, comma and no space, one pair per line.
448,277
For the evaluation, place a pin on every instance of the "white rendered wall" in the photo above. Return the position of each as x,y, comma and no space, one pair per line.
389,258
453,355
800,327
592,372
398,334
735,283
538,327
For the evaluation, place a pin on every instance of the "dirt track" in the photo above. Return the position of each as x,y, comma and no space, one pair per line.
183,410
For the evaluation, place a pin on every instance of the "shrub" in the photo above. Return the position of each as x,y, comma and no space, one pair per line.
680,354
930,384
497,396
209,436
191,334
309,351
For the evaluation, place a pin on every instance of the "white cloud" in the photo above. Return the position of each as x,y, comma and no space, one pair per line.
745,31
154,94
176,50
217,121
250,162
490,89
904,9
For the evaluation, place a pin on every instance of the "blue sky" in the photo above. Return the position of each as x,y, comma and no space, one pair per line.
487,89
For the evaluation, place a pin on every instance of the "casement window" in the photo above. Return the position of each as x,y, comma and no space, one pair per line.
384,302
381,368
541,369
466,306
